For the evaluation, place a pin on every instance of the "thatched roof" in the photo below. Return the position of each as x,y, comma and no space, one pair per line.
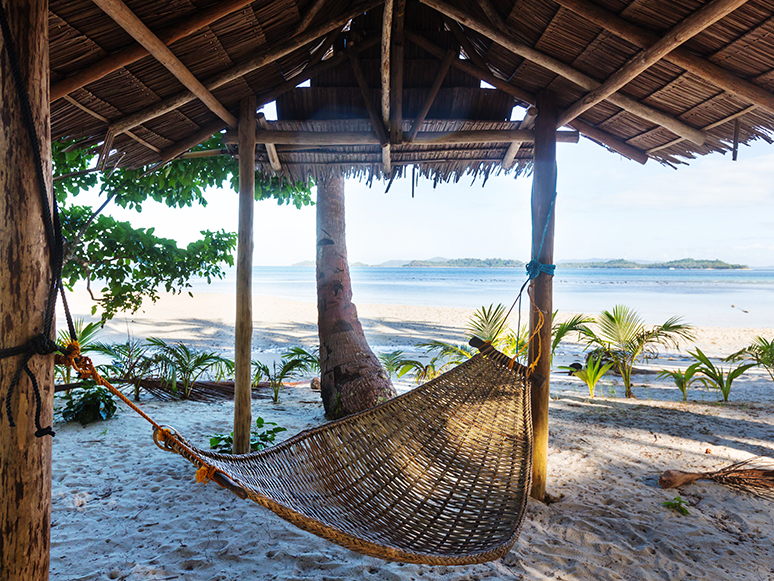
691,100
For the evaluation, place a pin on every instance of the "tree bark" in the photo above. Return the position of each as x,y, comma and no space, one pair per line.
352,379
25,461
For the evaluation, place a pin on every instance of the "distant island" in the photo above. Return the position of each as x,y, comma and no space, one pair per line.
467,263
682,264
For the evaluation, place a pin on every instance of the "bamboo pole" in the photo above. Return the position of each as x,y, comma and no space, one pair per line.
679,34
127,20
568,72
543,220
244,300
127,56
681,57
25,461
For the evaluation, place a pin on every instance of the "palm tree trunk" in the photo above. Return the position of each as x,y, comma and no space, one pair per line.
352,379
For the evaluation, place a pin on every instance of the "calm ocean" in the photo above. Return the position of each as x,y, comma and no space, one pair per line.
723,298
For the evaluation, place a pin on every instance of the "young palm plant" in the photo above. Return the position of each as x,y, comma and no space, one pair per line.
682,380
623,338
129,363
716,376
760,351
85,333
559,331
179,363
277,374
592,373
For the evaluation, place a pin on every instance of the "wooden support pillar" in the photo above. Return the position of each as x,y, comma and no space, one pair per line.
244,297
25,461
543,193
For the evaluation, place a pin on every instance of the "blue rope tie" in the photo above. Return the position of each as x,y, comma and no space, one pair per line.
535,267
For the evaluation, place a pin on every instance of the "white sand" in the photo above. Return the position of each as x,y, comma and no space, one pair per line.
123,509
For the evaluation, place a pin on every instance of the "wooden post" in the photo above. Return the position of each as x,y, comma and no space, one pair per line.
25,461
543,192
244,297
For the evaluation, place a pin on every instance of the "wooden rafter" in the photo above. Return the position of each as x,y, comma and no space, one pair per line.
581,79
376,120
464,65
127,20
465,43
133,53
309,16
678,35
445,65
267,97
701,67
104,119
492,14
513,148
258,61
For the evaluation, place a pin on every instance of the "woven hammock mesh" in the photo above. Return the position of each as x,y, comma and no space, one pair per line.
439,475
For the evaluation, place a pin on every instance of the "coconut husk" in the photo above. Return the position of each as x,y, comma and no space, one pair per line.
754,475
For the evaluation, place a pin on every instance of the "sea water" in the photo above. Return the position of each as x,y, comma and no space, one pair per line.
722,298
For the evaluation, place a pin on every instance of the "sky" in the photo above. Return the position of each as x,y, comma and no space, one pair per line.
607,207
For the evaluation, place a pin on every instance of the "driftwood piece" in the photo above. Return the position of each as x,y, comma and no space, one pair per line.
754,475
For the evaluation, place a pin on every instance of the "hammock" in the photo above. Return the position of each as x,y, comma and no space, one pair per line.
439,475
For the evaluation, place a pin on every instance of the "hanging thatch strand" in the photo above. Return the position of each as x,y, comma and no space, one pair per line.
754,475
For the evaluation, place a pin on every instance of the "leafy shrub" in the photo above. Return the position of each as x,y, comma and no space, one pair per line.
276,375
760,351
180,363
259,438
88,404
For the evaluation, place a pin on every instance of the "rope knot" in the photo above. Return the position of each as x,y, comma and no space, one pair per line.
205,473
42,345
48,431
535,267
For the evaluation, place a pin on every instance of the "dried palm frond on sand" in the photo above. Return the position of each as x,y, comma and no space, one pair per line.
754,475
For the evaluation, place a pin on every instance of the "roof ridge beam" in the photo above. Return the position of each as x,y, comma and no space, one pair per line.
127,20
570,73
258,61
683,58
639,63
135,52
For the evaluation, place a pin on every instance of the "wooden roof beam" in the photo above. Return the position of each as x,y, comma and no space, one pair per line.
344,138
465,43
493,15
718,123
694,64
376,120
267,97
104,119
445,66
127,20
309,16
558,67
465,65
258,61
396,70
513,148
128,55
679,34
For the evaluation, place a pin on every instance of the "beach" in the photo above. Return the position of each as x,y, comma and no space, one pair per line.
123,509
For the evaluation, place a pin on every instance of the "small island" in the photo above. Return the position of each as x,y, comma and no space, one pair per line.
682,264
